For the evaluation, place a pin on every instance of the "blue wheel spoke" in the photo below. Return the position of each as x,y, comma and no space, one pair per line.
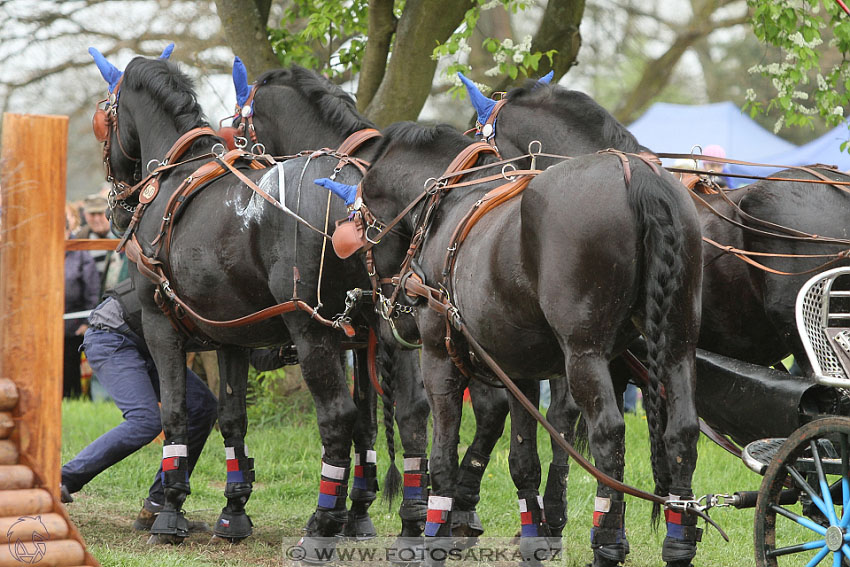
824,486
797,548
802,520
818,557
845,482
836,559
816,499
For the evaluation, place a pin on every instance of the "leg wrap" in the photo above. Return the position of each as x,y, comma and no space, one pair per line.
680,545
333,488
363,492
555,497
438,521
416,479
533,544
175,467
233,523
468,492
608,537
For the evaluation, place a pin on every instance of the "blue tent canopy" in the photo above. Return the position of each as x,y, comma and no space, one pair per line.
826,150
677,128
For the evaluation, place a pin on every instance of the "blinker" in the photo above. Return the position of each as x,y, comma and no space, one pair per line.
348,237
100,125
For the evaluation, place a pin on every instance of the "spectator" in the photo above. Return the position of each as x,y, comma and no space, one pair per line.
715,167
82,292
110,266
118,354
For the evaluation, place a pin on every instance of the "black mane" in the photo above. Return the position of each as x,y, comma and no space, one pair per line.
582,111
334,105
170,87
417,136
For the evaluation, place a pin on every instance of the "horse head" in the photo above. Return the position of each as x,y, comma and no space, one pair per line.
132,136
294,109
562,120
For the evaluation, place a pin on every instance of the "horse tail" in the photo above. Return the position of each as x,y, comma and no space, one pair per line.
660,230
392,480
581,441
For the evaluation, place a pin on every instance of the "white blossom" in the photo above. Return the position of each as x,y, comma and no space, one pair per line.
779,123
750,96
518,57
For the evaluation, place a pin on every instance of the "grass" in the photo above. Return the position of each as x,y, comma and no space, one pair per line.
287,464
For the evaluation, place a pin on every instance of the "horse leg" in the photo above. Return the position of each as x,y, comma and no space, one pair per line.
405,393
319,354
564,415
591,386
233,523
525,470
364,488
680,439
444,385
490,406
166,349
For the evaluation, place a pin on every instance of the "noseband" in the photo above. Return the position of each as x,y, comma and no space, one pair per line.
104,126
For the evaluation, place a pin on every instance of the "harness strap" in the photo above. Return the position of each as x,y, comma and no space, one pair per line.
353,142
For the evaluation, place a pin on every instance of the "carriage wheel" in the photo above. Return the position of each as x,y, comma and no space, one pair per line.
815,528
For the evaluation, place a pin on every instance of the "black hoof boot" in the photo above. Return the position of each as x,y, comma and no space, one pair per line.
680,544
169,527
409,546
364,490
608,537
318,545
233,523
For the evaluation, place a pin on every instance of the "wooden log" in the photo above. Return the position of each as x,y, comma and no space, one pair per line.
8,453
8,394
7,424
92,244
29,502
15,477
53,524
33,152
59,553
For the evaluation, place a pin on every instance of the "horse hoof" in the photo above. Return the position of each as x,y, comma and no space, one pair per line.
407,551
216,540
312,550
165,539
233,527
359,527
466,523
534,550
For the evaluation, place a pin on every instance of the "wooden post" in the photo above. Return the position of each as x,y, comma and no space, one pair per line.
33,154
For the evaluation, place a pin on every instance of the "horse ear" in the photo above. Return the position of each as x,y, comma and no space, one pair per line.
240,81
108,71
166,53
347,193
547,78
483,105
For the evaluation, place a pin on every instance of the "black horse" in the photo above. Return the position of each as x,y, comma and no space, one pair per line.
230,252
555,282
748,311
296,109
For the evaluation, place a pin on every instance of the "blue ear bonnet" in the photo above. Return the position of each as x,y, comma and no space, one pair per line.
547,78
240,81
110,72
483,105
347,193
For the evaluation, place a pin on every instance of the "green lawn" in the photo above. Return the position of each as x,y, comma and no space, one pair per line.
287,465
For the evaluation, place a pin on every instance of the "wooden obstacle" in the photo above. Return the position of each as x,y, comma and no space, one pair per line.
34,526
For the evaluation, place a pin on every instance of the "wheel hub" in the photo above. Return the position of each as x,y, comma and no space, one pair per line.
834,538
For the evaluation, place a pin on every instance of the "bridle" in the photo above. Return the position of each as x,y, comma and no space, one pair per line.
105,126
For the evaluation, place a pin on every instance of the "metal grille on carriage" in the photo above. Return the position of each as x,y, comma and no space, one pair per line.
816,311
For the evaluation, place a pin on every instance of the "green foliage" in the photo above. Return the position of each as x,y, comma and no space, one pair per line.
511,59
329,37
799,29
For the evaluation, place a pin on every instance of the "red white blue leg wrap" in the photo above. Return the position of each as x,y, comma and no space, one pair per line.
415,478
439,508
333,487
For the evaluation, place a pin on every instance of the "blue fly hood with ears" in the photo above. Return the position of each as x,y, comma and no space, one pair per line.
347,193
482,104
240,81
547,78
110,72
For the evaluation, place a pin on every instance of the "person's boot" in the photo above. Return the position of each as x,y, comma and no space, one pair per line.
64,495
150,510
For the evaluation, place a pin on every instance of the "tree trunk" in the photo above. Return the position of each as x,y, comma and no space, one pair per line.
245,30
382,25
407,82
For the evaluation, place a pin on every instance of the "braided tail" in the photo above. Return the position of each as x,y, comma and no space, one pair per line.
651,198
392,480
